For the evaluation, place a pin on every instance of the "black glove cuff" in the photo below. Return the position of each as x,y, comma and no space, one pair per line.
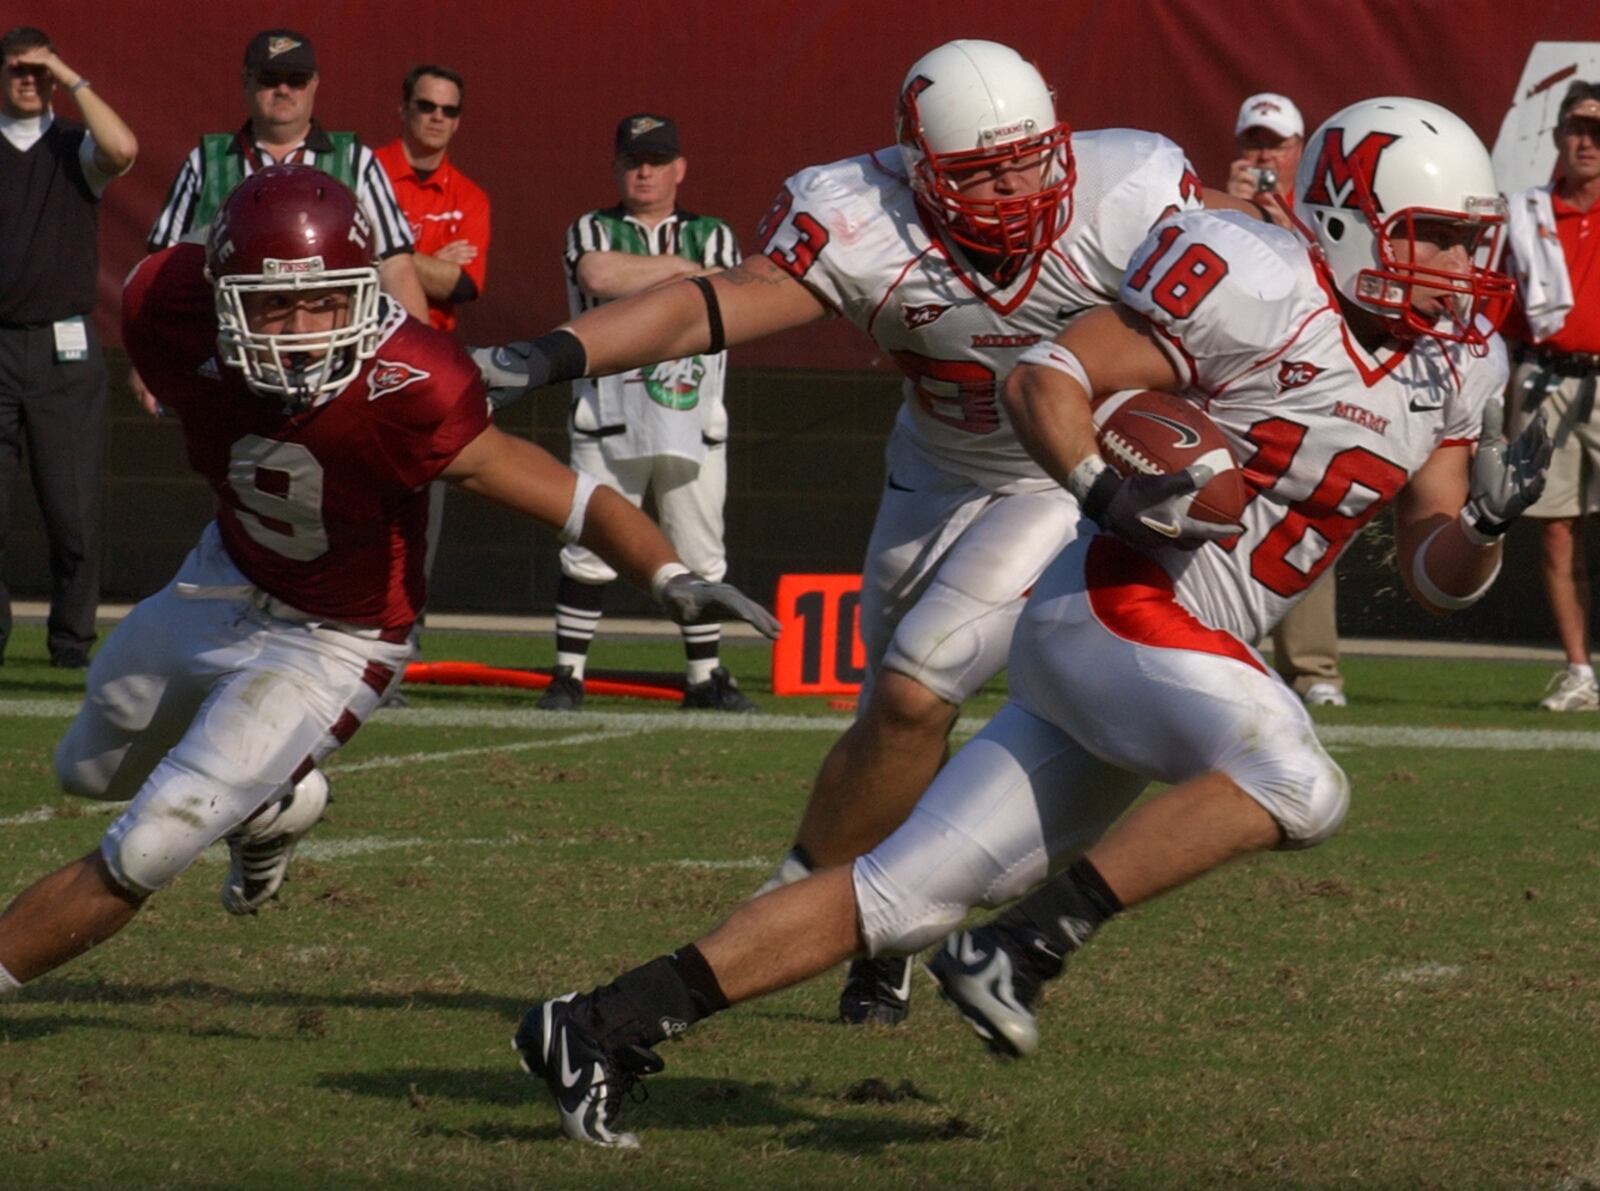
1479,522
1098,498
562,355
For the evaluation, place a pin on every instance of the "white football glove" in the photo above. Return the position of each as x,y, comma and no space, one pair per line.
513,369
689,599
1506,477
508,371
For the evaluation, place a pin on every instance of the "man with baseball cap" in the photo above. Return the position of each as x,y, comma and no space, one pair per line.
280,89
661,428
1555,256
1270,136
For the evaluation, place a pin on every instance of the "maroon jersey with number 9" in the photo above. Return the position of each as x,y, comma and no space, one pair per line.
325,508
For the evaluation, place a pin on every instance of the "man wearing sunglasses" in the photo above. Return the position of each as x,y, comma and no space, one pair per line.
1557,326
280,90
448,212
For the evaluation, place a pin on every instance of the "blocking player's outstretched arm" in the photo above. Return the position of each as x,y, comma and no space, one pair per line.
753,299
516,473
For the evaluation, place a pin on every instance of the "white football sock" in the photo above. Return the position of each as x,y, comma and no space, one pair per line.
790,869
1578,671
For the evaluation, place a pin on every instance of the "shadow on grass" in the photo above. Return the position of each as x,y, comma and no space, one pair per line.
33,1029
128,992
673,1102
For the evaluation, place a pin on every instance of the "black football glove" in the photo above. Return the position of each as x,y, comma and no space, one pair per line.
1143,510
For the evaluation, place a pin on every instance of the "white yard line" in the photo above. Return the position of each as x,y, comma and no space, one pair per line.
613,725
1369,735
404,759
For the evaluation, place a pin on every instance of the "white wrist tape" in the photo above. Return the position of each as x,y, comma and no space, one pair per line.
1431,591
1050,354
572,528
1082,477
667,572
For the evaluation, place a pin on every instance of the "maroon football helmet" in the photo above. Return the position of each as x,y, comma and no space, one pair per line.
292,229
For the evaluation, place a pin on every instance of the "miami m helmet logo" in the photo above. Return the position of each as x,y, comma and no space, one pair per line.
1334,181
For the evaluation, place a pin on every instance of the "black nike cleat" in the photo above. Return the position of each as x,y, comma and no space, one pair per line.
588,1082
876,990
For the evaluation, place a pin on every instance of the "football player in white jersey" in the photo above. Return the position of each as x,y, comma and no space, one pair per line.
1349,365
980,234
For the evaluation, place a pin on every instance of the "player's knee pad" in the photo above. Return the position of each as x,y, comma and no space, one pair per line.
178,815
1303,789
951,642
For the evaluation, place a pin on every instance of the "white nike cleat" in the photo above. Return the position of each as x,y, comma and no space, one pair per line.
259,852
980,977
589,1083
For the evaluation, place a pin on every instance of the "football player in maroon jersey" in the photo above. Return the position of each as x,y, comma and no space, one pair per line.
318,412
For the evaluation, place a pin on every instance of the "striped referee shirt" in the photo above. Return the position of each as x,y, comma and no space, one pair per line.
601,405
703,239
176,221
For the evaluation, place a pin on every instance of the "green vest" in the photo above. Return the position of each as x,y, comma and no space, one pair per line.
221,171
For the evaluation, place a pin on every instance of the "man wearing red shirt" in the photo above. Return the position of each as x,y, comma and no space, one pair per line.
1554,234
448,212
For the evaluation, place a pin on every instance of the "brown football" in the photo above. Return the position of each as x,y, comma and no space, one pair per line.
1153,433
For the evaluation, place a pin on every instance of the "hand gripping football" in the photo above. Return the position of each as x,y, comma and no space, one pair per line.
1154,433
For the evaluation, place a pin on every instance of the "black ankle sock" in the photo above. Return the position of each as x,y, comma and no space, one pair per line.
1065,910
654,1002
799,853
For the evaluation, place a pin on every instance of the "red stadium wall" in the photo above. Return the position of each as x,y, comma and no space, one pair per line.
759,89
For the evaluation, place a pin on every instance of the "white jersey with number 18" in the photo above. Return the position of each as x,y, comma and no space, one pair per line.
1326,432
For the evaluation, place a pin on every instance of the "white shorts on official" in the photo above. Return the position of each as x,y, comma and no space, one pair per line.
688,498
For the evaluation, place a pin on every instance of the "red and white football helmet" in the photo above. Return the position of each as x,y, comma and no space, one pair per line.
293,229
1375,176
973,105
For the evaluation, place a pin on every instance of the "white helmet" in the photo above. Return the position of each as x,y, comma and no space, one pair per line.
971,105
1387,172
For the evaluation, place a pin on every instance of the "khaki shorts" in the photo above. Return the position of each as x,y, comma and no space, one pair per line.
1573,486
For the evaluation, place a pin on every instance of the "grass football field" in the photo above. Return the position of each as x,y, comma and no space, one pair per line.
1415,1004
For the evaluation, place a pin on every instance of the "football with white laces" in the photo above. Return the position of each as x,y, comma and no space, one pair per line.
1147,432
